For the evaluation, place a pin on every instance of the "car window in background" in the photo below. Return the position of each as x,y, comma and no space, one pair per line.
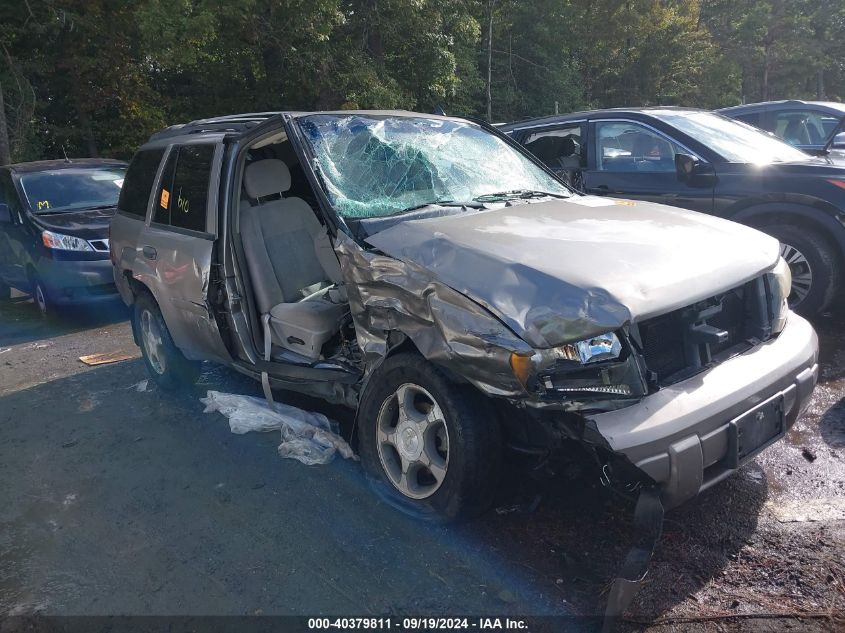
182,197
630,147
559,149
72,189
139,181
804,127
374,166
751,119
735,142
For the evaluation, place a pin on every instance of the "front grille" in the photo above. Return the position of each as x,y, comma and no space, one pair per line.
663,345
683,342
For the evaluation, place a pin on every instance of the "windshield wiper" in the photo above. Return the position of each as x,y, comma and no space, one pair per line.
517,194
437,203
75,209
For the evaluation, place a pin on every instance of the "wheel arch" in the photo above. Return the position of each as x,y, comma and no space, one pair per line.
818,217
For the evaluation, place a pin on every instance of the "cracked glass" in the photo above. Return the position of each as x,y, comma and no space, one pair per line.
376,166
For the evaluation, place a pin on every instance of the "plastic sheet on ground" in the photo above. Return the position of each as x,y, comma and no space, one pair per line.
306,436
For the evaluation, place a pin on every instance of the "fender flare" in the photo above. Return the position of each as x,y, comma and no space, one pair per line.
822,219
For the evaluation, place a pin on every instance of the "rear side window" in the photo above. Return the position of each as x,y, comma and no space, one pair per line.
751,119
135,193
182,199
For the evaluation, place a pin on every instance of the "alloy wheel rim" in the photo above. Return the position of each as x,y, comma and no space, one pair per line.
413,441
802,273
153,346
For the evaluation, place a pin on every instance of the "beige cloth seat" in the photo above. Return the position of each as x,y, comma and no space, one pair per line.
290,258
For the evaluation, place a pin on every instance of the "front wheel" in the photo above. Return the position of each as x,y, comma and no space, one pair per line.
430,446
42,299
165,362
814,264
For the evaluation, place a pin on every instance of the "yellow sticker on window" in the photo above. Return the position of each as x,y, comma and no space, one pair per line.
165,198
43,204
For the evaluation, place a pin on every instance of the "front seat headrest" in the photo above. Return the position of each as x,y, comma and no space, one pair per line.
266,177
568,147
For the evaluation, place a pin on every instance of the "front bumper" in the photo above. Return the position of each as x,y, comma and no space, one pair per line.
680,436
77,281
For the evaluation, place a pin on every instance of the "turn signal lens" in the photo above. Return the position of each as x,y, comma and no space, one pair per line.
838,183
522,367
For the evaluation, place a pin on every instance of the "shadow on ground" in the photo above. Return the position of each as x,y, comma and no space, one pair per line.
20,321
126,502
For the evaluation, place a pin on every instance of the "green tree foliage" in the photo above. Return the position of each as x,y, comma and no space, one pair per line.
96,77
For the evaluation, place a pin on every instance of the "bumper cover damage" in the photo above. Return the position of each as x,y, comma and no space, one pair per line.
681,436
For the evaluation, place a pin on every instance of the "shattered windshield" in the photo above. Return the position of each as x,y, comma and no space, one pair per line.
376,166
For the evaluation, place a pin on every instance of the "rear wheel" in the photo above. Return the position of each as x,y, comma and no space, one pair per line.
430,447
165,362
814,264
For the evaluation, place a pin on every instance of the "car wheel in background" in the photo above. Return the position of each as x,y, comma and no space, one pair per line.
42,299
816,270
430,447
166,364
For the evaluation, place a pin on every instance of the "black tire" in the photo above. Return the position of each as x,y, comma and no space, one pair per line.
166,364
43,299
822,260
474,441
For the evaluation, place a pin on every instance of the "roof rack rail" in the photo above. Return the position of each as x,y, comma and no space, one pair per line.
230,123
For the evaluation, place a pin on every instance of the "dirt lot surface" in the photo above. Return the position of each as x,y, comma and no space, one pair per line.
117,500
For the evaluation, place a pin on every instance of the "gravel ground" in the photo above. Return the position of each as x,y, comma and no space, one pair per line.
119,501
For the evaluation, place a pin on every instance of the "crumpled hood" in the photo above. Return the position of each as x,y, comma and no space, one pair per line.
563,270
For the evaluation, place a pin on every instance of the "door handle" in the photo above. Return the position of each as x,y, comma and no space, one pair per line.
603,188
149,252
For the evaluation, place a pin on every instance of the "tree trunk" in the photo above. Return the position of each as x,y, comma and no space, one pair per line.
764,87
5,151
820,85
87,134
491,5
374,39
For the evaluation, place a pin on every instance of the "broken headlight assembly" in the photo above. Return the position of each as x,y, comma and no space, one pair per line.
780,285
601,366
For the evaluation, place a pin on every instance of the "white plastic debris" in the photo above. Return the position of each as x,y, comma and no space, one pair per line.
141,387
306,436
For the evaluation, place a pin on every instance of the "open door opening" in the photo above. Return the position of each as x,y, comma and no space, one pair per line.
300,312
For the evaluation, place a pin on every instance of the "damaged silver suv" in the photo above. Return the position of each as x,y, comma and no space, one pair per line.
430,273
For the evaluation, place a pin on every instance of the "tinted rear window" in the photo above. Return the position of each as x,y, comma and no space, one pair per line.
190,187
182,198
139,181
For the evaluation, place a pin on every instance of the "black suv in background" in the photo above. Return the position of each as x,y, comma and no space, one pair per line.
707,162
54,225
815,127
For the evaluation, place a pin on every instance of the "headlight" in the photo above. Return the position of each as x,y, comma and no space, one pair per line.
592,350
780,286
575,367
64,242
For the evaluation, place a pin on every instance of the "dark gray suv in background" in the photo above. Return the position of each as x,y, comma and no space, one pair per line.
816,127
706,162
430,273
